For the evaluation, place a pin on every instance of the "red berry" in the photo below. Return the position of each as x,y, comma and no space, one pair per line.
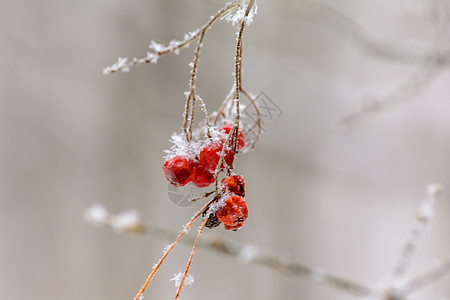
234,184
240,140
210,155
178,170
202,177
233,212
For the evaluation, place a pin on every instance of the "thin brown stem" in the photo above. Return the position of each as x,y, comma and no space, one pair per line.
238,64
202,197
191,256
192,96
168,250
222,159
190,101
187,116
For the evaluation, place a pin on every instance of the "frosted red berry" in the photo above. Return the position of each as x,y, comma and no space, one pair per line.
202,176
233,213
210,155
240,140
234,184
178,170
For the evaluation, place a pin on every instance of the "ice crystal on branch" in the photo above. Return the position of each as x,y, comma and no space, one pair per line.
178,277
120,65
236,16
167,248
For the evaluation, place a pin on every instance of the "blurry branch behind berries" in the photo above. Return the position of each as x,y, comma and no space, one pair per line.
399,285
245,253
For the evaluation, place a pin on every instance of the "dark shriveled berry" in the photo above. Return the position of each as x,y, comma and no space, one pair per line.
212,221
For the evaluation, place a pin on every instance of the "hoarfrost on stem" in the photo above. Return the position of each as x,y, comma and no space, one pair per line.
167,248
177,277
120,65
186,229
235,16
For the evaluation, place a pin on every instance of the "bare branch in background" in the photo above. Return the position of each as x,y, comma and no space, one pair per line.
247,253
429,277
407,90
356,32
398,287
428,69
424,215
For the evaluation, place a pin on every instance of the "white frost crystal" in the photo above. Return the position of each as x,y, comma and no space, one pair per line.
179,276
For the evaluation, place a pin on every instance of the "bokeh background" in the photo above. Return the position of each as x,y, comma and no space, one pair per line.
337,197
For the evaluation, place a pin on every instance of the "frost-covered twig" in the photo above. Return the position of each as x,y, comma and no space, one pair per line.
169,249
238,58
191,256
174,46
237,11
191,96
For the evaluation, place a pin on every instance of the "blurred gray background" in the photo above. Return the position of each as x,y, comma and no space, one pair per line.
337,197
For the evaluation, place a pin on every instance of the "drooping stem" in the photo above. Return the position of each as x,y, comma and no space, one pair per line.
238,58
168,250
191,256
191,97
238,72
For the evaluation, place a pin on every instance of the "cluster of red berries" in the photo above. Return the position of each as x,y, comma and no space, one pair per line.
234,210
181,169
